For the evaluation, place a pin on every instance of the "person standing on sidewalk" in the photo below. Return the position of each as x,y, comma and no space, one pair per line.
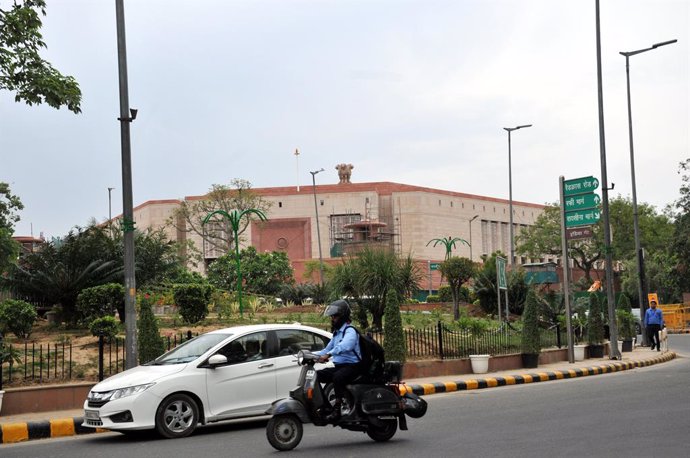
653,322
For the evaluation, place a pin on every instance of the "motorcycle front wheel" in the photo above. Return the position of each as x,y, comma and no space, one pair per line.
384,432
284,432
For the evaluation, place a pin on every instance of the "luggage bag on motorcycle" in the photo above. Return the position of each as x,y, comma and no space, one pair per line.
381,401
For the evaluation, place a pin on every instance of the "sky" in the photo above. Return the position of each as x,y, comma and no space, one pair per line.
408,91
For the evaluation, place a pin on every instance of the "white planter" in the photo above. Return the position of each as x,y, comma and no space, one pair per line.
480,363
579,351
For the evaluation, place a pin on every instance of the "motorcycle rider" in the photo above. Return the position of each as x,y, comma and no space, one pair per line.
344,349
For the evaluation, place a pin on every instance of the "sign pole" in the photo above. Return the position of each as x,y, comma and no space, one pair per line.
566,275
498,288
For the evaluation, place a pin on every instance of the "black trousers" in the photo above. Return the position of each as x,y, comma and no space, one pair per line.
340,375
653,335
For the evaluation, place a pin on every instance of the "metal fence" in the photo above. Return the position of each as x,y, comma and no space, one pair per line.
443,343
49,363
55,362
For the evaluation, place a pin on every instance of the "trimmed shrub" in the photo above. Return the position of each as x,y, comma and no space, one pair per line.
624,303
149,341
431,298
393,337
530,325
192,301
101,301
18,317
595,322
626,324
107,326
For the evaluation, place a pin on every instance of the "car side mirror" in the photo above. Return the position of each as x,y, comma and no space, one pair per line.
217,360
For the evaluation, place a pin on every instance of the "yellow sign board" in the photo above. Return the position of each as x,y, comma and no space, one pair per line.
653,297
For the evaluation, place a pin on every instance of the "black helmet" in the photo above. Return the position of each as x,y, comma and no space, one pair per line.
338,308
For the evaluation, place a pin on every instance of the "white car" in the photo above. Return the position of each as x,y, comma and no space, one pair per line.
225,374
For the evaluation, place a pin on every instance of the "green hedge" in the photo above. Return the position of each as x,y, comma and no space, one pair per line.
192,301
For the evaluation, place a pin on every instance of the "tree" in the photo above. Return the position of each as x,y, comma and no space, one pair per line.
449,243
9,206
680,244
219,234
655,232
263,273
530,325
486,288
393,337
595,321
369,276
544,238
22,69
151,344
457,271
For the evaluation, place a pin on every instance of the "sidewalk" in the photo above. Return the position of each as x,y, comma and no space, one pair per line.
29,426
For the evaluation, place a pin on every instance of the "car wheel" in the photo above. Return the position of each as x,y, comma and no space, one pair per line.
177,416
284,432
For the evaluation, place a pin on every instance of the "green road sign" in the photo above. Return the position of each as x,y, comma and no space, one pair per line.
501,273
580,186
434,266
582,201
582,217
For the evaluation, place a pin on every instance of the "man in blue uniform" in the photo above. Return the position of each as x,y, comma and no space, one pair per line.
653,322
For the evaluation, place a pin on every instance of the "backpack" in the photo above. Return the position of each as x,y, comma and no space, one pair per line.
372,356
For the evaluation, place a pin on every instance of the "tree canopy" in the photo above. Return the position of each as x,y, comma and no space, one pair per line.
457,271
22,69
263,273
9,206
218,234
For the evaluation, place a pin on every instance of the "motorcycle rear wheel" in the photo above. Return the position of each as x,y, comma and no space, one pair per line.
284,432
383,433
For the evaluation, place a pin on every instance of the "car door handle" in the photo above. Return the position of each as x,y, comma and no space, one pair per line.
262,366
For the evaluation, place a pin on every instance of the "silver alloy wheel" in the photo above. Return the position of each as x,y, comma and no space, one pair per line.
177,416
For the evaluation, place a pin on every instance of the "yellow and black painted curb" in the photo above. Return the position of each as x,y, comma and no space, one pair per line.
26,431
519,379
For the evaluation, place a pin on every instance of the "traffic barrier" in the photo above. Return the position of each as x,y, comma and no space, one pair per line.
676,317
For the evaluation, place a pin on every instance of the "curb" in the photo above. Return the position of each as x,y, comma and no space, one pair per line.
519,379
19,432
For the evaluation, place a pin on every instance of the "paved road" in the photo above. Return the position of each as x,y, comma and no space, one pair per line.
638,413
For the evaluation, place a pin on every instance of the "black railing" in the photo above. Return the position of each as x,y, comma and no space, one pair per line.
47,363
55,362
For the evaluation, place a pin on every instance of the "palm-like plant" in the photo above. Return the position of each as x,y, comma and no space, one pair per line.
235,219
448,242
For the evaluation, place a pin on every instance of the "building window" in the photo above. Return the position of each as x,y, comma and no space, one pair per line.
280,205
472,206
451,203
439,202
463,205
322,203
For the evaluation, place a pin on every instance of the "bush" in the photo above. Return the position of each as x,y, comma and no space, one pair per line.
101,301
18,317
393,337
149,341
626,324
192,301
624,303
431,298
595,322
530,325
444,294
107,326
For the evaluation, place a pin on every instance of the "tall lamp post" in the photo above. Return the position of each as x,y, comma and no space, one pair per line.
510,190
470,222
641,287
318,230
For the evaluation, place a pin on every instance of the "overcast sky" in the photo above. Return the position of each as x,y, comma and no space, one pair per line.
409,91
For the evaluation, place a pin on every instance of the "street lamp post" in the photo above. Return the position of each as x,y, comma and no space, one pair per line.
470,222
510,191
318,231
641,287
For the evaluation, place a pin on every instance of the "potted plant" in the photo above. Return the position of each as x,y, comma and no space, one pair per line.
579,324
595,328
530,332
626,328
476,327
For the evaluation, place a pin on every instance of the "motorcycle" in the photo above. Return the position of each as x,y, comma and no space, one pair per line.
373,407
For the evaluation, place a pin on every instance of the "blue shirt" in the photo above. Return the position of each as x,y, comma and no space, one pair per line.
653,316
344,346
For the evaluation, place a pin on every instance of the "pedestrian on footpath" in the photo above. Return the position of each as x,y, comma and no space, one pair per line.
653,323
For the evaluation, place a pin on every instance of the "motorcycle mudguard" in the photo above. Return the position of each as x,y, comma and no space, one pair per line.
289,405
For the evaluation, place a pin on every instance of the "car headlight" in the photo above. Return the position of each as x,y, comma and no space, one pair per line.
119,393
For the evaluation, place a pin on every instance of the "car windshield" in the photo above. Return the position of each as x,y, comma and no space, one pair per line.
190,350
